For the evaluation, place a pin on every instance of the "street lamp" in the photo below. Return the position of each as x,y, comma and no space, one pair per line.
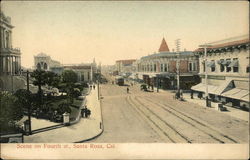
205,46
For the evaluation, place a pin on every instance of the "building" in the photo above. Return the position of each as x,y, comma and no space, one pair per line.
228,71
44,62
86,71
10,58
125,66
160,69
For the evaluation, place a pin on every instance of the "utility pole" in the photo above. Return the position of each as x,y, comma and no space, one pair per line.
29,107
177,43
205,46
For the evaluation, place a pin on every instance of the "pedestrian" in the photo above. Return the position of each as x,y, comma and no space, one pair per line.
192,94
127,90
94,87
200,95
90,86
181,93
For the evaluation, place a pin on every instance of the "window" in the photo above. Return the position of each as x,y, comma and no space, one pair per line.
212,65
222,68
248,69
190,66
166,67
155,67
235,65
162,68
194,66
228,67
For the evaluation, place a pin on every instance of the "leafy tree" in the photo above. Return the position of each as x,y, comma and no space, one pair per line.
52,79
10,111
64,107
23,98
69,77
40,77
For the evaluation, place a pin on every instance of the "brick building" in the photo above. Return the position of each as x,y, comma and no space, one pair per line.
160,69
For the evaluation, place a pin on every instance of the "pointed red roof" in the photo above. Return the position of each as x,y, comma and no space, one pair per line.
164,46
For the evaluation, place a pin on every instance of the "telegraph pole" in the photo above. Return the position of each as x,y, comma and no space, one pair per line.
29,107
177,43
205,46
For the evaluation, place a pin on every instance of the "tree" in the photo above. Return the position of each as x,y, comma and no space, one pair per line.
40,77
10,111
23,98
69,77
52,79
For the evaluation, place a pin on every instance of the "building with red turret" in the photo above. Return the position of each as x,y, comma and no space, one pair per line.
160,69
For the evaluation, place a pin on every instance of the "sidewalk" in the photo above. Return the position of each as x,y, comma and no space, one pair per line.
86,128
234,112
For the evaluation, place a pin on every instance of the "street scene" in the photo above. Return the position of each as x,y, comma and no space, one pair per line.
151,117
101,72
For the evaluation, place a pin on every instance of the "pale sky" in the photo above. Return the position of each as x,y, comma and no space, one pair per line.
78,31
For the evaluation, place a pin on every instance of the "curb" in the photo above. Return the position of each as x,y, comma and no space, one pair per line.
98,133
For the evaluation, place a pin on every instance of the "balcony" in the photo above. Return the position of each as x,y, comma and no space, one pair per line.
8,51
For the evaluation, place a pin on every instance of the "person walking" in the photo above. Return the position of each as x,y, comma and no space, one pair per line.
192,94
94,87
127,90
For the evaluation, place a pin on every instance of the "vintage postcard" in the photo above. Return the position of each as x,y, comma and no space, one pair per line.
124,79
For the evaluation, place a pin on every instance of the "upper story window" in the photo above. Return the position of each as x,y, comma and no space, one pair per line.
192,66
161,67
154,67
222,65
166,67
211,64
228,68
248,69
235,65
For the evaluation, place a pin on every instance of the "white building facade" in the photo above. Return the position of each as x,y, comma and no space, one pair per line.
228,71
10,58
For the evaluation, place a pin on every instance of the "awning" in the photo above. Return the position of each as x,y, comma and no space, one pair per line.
202,88
220,61
226,62
213,89
245,98
235,63
163,75
211,64
227,85
237,93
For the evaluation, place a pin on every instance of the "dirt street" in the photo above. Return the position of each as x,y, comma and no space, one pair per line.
148,117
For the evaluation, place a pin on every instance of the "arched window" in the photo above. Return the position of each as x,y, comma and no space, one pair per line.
45,66
38,66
